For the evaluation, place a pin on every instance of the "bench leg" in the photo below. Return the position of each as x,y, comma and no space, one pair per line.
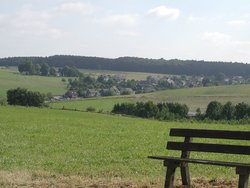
243,177
169,181
243,181
185,176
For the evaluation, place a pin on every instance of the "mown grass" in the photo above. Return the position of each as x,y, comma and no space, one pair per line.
101,104
10,78
95,145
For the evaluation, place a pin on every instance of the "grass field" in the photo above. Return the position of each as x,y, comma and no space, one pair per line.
94,145
10,78
193,97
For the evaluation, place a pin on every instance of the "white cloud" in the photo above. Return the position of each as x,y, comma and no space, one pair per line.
194,19
226,44
128,33
76,7
29,22
216,37
164,12
237,22
122,19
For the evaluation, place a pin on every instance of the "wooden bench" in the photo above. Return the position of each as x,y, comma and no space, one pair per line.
242,169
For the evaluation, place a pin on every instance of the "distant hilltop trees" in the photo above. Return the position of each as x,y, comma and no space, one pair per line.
134,64
43,69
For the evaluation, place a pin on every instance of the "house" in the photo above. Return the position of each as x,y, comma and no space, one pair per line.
149,89
92,93
71,94
127,91
57,98
114,90
110,92
119,78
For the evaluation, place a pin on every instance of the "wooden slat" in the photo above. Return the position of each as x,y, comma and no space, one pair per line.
202,147
202,133
200,161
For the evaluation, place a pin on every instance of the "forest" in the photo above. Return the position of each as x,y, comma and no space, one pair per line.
135,64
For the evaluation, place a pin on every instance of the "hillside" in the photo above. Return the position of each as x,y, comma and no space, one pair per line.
134,64
10,79
193,97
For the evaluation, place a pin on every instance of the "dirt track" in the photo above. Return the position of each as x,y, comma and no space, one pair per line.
43,180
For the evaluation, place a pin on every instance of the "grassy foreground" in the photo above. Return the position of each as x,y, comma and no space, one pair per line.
94,145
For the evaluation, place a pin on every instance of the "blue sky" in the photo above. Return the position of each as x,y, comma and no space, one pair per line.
217,30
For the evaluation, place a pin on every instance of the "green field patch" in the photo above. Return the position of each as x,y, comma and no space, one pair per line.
95,145
10,78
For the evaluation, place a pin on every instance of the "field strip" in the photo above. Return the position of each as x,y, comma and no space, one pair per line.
45,179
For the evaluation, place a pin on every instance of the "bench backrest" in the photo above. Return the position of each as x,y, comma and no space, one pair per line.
188,146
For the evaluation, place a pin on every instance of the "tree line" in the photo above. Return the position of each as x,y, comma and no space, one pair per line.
134,64
217,111
175,111
160,111
43,69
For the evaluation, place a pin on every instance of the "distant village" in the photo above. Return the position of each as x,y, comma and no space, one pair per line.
107,85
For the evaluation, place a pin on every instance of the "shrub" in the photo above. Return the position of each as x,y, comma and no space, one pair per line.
241,110
228,111
90,109
214,110
23,97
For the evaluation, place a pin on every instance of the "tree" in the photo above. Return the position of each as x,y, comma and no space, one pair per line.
44,69
206,81
214,110
23,97
241,110
181,110
52,71
26,68
228,111
69,71
17,96
220,77
37,69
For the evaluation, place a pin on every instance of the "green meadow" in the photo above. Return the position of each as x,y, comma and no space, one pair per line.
96,145
10,78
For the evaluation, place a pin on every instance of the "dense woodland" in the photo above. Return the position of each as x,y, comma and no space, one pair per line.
174,66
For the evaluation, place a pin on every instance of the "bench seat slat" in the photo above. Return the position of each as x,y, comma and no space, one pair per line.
203,147
201,161
203,133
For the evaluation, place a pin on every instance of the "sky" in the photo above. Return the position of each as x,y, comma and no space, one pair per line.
211,30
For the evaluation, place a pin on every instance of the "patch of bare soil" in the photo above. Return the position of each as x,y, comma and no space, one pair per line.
45,180
206,183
